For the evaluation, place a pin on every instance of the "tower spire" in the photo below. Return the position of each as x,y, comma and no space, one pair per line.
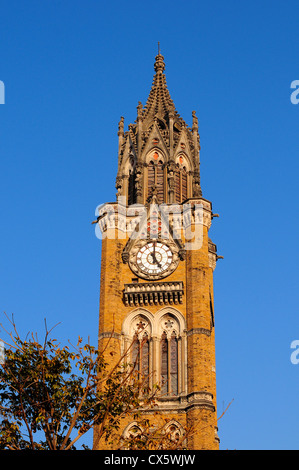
157,263
159,101
161,133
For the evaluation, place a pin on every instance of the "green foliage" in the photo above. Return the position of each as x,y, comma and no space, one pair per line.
50,395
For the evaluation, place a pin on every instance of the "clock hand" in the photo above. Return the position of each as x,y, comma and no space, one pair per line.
154,256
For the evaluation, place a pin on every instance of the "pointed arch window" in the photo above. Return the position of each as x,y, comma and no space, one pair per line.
181,184
157,348
131,181
164,364
141,355
175,433
184,183
132,432
156,177
131,188
144,359
136,352
160,181
174,364
169,364
151,177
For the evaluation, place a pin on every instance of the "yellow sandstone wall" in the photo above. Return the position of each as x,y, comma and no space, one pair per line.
197,276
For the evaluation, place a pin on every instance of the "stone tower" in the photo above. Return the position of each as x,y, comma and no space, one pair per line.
157,264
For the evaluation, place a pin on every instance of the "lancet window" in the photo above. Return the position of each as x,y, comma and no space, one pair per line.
141,350
158,349
131,182
156,176
169,363
181,180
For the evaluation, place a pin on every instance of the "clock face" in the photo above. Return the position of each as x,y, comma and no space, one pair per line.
153,259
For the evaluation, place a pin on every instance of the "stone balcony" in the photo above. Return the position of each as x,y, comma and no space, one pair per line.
153,293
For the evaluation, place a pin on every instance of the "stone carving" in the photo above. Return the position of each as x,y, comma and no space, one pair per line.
158,293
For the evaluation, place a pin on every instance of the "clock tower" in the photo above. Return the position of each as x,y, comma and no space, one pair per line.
157,266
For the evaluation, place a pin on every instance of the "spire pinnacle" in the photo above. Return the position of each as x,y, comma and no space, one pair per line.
159,64
159,102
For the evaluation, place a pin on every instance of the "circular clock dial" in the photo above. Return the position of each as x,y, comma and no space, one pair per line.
154,258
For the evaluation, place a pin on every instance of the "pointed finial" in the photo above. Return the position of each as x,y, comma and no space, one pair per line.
194,121
139,108
159,64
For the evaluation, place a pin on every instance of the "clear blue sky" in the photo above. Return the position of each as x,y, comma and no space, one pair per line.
71,69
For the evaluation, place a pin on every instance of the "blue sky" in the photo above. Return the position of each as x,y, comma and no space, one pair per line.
71,69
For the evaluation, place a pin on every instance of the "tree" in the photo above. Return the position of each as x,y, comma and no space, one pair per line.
50,396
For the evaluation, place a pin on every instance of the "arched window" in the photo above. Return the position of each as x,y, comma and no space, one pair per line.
140,355
156,177
175,434
131,181
180,183
177,184
157,347
131,188
130,435
174,364
144,359
181,180
169,364
169,358
184,183
136,352
151,179
164,364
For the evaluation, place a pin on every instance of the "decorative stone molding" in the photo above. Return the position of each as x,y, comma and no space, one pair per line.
212,254
199,331
109,334
182,403
169,326
201,400
153,293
